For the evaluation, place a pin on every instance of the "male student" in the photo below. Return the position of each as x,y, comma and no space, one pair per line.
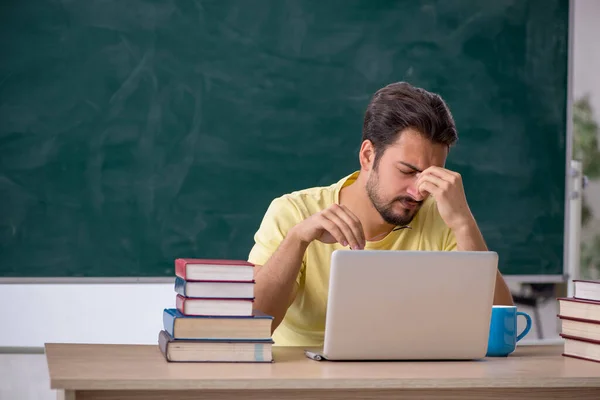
402,198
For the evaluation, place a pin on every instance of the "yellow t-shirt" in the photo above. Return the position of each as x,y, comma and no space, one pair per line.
304,322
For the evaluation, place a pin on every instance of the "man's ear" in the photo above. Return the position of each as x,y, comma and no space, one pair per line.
366,155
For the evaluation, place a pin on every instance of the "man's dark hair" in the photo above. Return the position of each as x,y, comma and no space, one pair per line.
399,106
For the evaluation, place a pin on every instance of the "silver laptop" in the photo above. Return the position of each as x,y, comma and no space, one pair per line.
408,305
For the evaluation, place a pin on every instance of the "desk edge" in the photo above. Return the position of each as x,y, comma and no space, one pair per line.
307,384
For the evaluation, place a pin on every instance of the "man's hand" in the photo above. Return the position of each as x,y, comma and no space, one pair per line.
334,224
447,188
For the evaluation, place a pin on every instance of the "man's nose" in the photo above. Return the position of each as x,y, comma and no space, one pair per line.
413,191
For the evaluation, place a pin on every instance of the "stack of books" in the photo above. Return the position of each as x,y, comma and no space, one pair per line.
580,321
214,319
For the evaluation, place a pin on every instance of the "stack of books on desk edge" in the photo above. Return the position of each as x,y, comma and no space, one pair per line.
214,319
580,321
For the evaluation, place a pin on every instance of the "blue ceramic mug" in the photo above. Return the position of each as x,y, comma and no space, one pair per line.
503,331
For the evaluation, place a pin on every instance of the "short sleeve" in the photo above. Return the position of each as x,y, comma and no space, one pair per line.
280,217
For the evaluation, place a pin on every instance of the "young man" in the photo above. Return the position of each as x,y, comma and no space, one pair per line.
402,198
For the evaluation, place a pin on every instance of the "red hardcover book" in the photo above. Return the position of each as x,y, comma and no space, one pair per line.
206,307
584,349
197,269
578,327
576,308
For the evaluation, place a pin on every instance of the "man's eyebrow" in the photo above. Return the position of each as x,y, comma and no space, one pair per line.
409,166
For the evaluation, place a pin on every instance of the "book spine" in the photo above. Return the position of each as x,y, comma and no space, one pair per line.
180,268
163,342
180,284
180,303
169,323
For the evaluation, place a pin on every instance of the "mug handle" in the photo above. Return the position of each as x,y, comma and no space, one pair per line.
527,328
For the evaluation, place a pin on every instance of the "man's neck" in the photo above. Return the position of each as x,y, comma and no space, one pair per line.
355,197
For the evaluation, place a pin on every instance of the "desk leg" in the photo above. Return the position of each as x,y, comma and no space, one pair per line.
65,394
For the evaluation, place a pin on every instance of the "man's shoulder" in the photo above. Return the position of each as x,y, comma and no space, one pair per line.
312,199
288,209
309,200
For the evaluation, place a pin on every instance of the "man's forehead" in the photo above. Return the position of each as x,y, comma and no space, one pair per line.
419,157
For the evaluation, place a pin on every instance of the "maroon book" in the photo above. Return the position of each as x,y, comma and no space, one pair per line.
581,348
585,329
215,307
577,308
197,269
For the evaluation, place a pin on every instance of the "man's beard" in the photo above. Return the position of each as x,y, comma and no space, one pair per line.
386,209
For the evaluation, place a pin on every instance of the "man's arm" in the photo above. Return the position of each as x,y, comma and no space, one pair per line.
275,288
447,188
469,238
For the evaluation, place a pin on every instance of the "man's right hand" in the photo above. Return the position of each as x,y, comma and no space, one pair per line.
334,224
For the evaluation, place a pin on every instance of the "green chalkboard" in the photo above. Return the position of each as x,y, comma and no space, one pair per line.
134,132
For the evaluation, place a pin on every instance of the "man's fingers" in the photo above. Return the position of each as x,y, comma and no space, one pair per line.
333,230
442,173
440,183
343,227
426,186
350,213
354,223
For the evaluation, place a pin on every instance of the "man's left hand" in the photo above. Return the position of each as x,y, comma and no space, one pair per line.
447,188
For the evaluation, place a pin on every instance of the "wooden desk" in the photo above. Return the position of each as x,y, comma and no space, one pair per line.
140,372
